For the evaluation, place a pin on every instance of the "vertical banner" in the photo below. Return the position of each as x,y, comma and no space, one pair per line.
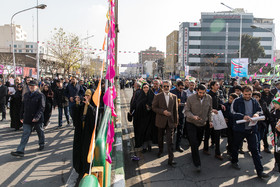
239,67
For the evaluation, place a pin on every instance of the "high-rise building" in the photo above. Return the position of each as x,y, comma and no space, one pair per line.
151,54
212,43
171,54
21,45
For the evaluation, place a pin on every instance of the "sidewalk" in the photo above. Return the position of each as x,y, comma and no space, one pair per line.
50,167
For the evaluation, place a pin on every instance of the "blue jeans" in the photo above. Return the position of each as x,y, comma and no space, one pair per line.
60,113
71,105
27,129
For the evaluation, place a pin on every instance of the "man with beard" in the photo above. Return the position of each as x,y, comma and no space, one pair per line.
165,105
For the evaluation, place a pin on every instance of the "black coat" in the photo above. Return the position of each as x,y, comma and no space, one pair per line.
33,107
82,136
15,106
3,94
60,98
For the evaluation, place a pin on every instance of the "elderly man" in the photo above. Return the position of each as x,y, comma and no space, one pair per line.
32,115
156,87
198,111
165,105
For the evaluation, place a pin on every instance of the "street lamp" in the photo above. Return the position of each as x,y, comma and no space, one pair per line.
41,6
240,34
255,27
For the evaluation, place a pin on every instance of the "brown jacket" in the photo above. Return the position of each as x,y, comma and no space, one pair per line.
159,105
194,107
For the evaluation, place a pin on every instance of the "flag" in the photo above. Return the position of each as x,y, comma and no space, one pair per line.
103,46
96,96
91,146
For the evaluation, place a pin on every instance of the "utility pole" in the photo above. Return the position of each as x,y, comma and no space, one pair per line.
116,49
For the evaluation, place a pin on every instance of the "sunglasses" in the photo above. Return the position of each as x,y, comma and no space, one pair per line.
166,86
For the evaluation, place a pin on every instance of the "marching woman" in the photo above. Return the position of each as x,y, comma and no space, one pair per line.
15,106
143,118
49,103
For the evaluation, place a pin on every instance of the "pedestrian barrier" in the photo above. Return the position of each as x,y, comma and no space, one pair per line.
101,170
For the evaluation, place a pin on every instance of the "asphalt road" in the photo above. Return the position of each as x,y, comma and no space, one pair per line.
50,167
151,171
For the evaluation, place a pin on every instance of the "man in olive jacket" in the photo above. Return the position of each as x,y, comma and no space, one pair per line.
198,111
165,105
32,115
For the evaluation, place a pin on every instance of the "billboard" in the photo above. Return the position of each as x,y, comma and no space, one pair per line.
239,67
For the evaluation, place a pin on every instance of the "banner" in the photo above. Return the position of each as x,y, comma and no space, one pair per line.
29,72
7,69
239,67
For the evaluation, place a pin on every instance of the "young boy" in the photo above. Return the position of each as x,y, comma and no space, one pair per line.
261,124
229,120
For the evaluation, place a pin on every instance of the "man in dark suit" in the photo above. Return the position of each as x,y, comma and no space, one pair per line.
3,94
165,105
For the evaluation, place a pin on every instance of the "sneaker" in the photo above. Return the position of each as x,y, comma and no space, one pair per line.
235,166
41,148
263,175
17,153
198,168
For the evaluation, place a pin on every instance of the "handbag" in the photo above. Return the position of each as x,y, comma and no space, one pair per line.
129,117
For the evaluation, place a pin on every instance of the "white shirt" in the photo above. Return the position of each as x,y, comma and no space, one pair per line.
166,95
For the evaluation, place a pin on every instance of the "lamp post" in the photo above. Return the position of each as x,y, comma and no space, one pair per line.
255,27
42,6
240,32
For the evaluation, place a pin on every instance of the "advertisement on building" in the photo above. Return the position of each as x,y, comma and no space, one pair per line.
186,49
239,67
7,69
29,72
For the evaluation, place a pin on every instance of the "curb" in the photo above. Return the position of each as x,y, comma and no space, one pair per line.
118,162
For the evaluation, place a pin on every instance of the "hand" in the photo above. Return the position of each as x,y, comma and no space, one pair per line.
21,120
86,101
166,113
223,107
256,115
35,120
211,124
196,118
71,99
247,118
215,111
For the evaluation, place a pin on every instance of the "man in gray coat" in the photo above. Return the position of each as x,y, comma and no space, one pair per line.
198,111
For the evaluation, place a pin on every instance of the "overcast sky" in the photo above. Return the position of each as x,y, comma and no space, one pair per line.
142,23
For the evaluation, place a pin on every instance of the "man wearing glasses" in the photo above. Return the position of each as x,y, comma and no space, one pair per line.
165,105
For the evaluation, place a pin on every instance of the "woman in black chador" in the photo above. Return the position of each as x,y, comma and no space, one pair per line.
84,122
49,103
15,106
143,117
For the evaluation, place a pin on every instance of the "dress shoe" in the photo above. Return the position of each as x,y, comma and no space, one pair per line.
267,150
179,149
235,166
172,163
263,176
198,168
206,152
17,153
159,154
41,148
149,148
219,157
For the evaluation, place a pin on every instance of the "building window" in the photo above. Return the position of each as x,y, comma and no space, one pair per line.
15,50
31,51
31,46
15,46
27,46
20,51
27,50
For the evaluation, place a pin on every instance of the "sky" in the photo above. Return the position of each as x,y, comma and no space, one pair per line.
142,23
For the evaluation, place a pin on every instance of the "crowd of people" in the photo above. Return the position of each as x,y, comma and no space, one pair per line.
186,108
31,103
